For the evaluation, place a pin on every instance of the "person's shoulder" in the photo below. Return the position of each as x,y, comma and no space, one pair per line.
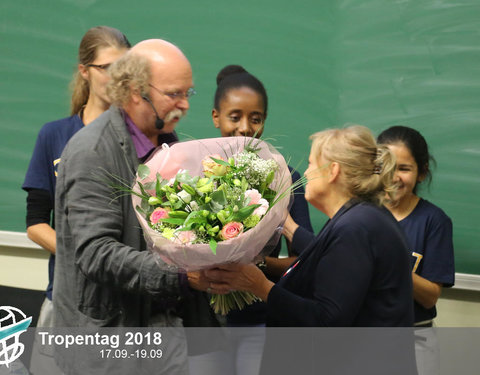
364,209
73,120
366,215
354,223
294,173
61,125
427,209
96,127
93,136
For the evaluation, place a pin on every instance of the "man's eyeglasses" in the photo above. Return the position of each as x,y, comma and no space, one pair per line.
100,66
176,95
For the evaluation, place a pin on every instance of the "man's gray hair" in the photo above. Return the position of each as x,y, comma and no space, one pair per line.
130,72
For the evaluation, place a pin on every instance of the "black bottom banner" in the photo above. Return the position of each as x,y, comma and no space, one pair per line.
240,351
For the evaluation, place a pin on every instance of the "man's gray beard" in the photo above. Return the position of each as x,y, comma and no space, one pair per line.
174,113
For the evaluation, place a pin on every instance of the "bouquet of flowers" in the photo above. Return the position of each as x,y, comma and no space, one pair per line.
206,202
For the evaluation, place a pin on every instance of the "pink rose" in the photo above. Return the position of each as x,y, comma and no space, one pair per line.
212,168
185,237
262,210
157,214
231,230
256,198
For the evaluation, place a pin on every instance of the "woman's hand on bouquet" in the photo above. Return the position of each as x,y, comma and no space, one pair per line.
197,280
289,228
239,277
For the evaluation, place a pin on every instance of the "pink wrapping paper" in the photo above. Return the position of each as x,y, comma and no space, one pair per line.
167,161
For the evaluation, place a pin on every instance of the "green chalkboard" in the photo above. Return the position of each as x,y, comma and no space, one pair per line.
324,63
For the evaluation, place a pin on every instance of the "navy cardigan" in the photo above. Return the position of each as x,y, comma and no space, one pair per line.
355,272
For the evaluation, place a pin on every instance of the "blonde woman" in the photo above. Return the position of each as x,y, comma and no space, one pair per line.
355,272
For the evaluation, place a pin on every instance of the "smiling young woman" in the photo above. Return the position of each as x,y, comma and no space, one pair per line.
240,108
429,234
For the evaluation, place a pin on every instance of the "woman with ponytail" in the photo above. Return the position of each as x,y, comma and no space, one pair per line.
355,272
99,47
240,108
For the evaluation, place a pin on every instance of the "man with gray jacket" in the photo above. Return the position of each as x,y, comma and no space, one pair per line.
105,276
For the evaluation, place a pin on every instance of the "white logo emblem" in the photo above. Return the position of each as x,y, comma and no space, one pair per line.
13,322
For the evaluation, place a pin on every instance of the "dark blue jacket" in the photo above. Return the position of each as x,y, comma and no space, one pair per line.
356,273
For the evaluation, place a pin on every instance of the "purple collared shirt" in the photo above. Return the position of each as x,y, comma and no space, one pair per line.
143,145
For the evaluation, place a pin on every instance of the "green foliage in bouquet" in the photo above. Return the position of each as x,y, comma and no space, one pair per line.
232,198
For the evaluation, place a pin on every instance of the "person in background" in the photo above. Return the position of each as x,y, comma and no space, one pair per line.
429,235
240,108
106,276
99,47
